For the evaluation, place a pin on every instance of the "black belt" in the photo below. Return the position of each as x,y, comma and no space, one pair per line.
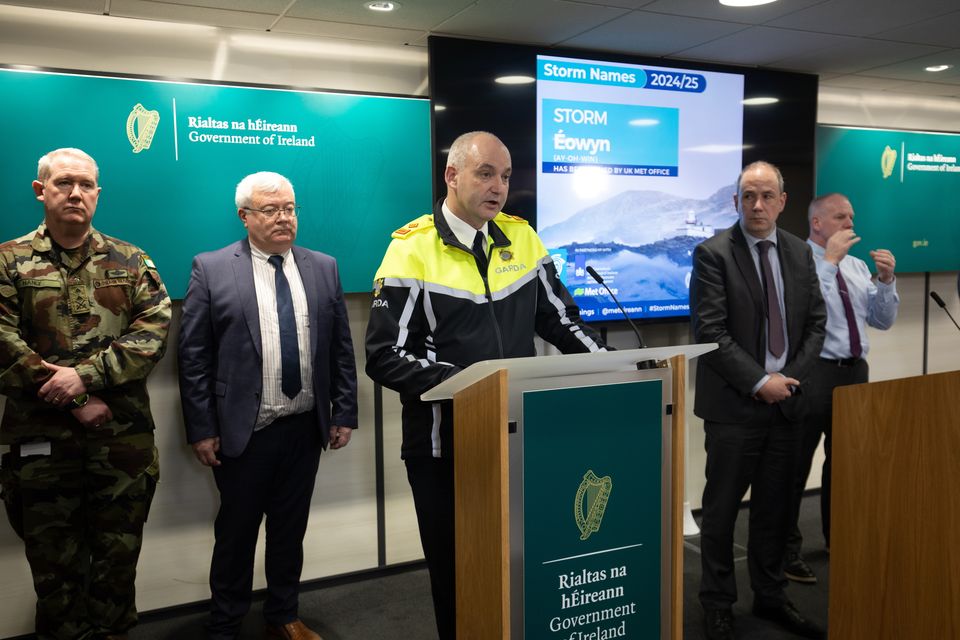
844,362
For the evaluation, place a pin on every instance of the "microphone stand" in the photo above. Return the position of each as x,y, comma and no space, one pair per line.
645,364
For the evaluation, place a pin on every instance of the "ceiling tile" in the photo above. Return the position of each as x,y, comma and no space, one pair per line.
273,7
193,15
327,29
713,10
914,69
412,14
941,31
858,18
760,46
83,6
533,21
621,4
655,34
850,55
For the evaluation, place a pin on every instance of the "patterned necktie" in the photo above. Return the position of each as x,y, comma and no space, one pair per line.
855,347
775,339
480,251
290,382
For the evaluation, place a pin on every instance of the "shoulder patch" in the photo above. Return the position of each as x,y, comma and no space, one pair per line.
420,224
506,217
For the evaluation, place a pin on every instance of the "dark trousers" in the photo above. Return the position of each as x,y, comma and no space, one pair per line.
431,480
80,511
273,477
825,377
761,456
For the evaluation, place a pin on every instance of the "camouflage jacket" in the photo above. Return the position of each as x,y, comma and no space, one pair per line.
101,309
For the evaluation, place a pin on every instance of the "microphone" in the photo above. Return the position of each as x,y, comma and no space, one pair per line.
646,364
943,305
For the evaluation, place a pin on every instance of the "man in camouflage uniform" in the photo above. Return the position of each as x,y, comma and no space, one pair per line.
83,320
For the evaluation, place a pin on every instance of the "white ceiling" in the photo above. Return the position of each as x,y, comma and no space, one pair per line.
860,44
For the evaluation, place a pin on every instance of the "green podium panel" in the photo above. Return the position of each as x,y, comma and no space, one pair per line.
592,486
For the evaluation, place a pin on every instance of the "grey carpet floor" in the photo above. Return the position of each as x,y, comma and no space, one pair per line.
397,606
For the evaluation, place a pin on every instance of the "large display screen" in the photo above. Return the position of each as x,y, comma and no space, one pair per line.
622,163
636,165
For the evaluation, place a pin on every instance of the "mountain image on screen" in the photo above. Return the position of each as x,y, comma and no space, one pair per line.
641,242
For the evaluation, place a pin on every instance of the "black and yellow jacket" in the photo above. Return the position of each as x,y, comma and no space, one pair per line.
434,313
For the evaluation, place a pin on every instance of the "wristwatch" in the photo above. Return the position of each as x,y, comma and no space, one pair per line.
80,400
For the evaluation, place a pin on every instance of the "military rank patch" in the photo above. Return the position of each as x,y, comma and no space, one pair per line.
77,299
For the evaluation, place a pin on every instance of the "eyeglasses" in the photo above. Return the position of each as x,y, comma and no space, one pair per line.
291,210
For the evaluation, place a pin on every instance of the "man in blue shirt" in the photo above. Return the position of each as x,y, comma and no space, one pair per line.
854,302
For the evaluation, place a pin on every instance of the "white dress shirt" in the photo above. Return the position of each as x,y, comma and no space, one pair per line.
274,403
464,232
875,304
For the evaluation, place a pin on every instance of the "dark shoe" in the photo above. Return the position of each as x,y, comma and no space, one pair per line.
718,624
797,570
787,616
295,630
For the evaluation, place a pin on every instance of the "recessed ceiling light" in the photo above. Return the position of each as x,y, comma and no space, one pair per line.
938,67
515,80
382,5
745,3
759,100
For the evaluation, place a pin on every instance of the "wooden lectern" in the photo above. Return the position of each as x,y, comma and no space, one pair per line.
894,560
569,494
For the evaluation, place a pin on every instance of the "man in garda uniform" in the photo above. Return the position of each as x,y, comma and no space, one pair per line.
83,320
465,284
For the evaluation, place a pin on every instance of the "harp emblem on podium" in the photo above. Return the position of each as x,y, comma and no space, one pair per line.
141,125
591,502
888,160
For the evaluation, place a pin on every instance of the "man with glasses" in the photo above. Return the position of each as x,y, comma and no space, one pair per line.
267,380
83,320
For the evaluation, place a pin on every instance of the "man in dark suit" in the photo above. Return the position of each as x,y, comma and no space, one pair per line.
754,292
267,380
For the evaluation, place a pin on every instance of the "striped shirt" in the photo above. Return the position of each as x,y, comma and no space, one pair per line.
274,404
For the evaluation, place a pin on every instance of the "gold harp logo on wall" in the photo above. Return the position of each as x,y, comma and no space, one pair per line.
141,125
592,496
888,160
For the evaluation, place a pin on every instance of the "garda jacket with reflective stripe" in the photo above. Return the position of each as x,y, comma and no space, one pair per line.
434,313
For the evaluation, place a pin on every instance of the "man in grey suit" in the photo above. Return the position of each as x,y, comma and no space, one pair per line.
267,380
755,292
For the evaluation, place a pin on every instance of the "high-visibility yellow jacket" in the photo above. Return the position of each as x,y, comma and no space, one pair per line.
434,313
